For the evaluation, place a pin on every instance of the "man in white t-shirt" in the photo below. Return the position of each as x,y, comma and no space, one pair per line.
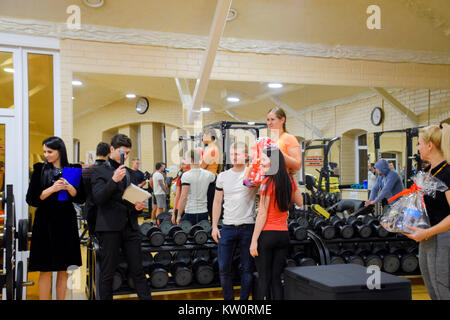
194,189
160,189
238,222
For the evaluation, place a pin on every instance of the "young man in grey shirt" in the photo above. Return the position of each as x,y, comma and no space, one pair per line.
238,222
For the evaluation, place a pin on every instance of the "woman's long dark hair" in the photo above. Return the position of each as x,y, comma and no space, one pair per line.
56,143
279,178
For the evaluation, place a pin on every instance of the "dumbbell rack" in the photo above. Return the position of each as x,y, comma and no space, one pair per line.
392,238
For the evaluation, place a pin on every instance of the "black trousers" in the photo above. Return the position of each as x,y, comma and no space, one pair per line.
210,198
273,249
130,242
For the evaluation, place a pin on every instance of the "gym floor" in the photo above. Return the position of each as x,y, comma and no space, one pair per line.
419,291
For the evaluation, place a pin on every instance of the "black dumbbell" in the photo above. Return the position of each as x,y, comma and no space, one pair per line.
199,235
290,263
182,256
159,277
349,256
181,273
408,260
362,229
374,223
175,232
302,260
323,228
119,276
203,272
334,259
345,230
369,258
153,233
296,231
391,262
163,258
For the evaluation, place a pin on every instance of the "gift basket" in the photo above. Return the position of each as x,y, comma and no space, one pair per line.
410,210
254,174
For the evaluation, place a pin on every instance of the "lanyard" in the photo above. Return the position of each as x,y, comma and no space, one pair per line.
440,169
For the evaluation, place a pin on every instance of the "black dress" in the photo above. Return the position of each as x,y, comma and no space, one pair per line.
55,243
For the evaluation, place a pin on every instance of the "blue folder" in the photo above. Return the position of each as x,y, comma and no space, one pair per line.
73,176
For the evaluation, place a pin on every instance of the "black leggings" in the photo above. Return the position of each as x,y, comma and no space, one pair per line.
270,262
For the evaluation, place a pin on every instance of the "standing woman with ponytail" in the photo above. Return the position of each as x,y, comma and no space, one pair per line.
434,248
270,240
55,243
286,142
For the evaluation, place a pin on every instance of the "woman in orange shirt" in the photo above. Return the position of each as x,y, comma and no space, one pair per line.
184,167
270,241
210,162
287,143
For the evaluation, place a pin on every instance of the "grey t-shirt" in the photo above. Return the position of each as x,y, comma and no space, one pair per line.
198,181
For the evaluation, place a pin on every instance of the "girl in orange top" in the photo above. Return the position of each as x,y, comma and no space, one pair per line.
270,241
287,143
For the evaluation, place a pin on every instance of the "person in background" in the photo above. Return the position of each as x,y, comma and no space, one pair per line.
90,209
194,188
238,222
392,165
434,247
371,176
140,178
55,243
184,167
270,240
160,189
117,227
286,142
210,162
388,181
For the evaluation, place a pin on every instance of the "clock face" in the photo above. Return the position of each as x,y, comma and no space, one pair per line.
376,116
141,105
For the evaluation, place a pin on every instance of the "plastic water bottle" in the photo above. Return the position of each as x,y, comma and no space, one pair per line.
411,217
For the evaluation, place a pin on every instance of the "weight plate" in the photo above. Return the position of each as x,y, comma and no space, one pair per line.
328,232
19,281
304,262
391,263
159,278
23,235
185,225
356,260
374,261
300,234
165,226
205,225
337,260
145,227
365,232
347,231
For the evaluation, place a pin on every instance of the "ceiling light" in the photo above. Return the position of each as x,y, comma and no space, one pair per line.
251,123
10,70
205,109
275,85
94,3
77,83
233,99
73,98
130,95
232,14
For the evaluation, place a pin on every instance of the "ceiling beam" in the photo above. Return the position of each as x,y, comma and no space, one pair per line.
234,116
264,96
218,25
294,113
183,91
396,104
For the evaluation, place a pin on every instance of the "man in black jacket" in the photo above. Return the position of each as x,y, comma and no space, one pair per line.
90,209
117,225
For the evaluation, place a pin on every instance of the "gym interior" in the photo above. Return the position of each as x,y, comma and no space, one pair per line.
357,80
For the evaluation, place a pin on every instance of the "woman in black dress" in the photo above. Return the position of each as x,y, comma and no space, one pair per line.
55,241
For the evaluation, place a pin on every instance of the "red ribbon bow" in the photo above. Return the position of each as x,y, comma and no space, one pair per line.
414,188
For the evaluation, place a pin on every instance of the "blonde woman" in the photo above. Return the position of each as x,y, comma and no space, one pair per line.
434,248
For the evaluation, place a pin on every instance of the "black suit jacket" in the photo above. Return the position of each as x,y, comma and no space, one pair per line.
113,213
